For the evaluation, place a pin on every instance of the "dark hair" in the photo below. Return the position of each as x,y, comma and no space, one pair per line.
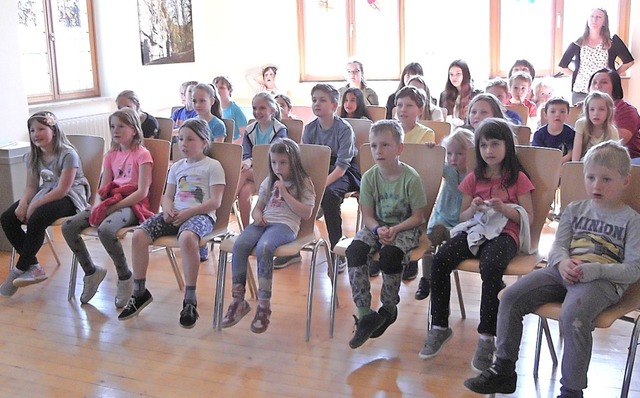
272,67
616,90
526,64
329,89
499,129
605,34
451,92
557,101
225,80
361,106
285,98
414,67
301,180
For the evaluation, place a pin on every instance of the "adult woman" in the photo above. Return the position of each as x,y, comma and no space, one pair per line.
412,69
149,124
355,78
594,50
458,92
626,117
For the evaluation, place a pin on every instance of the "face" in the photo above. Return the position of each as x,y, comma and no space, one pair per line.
269,78
492,151
189,97
354,75
520,68
604,185
124,102
501,94
223,91
478,112
557,114
202,102
407,110
284,108
455,76
321,104
598,111
121,133
384,149
602,82
544,94
519,89
261,110
596,20
191,145
183,95
281,165
350,103
41,135
457,156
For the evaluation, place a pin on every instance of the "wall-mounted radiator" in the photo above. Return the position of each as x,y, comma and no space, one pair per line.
88,125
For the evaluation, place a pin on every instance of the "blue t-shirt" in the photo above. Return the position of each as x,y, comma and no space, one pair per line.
562,141
513,116
263,137
182,114
217,128
234,112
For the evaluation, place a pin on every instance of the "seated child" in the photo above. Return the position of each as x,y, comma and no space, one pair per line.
186,111
520,87
556,133
431,111
595,126
593,259
285,104
500,88
353,105
230,110
393,202
410,103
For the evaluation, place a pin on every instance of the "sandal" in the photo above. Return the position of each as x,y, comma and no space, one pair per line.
237,310
261,320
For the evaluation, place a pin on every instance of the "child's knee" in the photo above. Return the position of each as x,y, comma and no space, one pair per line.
188,239
391,260
141,237
357,253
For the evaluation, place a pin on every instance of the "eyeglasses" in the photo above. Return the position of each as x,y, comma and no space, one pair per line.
353,72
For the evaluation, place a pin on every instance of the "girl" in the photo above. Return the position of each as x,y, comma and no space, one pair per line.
483,106
63,192
431,112
447,211
126,168
542,93
264,130
194,191
411,69
264,79
457,92
355,78
596,126
285,106
207,105
148,123
231,110
498,182
285,197
353,105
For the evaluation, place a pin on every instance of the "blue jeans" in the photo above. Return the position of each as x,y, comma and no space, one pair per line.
266,240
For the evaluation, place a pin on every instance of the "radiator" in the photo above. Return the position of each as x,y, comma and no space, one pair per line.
88,125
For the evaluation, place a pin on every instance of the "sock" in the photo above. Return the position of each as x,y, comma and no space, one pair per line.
484,337
190,294
264,303
362,311
89,270
139,287
129,275
434,327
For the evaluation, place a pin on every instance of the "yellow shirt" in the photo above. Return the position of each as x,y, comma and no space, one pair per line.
419,134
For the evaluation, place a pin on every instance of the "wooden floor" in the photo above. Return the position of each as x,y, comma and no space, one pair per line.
52,347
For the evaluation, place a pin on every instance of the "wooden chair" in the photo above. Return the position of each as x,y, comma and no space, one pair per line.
229,156
305,113
523,135
521,110
166,128
572,188
377,112
441,129
429,163
315,160
294,128
574,114
159,150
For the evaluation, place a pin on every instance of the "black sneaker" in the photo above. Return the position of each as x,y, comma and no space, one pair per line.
374,268
410,271
491,382
365,327
389,318
424,287
188,315
135,305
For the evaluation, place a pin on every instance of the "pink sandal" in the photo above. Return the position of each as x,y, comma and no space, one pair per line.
237,310
260,321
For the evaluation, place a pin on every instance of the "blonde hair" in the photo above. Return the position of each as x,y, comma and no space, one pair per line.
589,126
461,136
130,95
609,154
130,118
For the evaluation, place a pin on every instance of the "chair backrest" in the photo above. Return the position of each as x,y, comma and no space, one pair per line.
294,128
377,112
523,135
166,128
230,127
574,114
428,162
160,150
230,157
305,113
90,149
315,160
520,109
441,129
361,128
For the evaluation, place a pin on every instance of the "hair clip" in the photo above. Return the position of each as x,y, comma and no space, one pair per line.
49,119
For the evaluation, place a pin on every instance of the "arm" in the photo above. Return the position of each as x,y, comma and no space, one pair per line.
302,210
258,212
469,207
67,177
29,192
388,234
620,50
335,175
567,57
168,211
144,182
576,152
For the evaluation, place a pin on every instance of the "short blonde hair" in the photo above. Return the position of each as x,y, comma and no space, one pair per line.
391,126
609,154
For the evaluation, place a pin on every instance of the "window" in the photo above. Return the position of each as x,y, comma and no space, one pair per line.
58,51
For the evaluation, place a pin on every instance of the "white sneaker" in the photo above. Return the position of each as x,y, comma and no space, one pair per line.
91,283
35,274
7,289
125,289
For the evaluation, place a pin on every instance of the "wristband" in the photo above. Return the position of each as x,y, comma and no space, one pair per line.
375,230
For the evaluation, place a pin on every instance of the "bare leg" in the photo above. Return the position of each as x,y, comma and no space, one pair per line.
190,258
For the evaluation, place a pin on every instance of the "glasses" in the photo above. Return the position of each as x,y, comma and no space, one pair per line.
353,72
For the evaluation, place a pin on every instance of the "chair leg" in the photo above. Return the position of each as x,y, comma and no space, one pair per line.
251,279
547,334
333,266
12,262
236,210
176,268
219,294
456,277
73,274
49,240
631,356
312,278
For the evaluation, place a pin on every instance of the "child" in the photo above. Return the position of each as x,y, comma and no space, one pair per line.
186,111
193,193
522,65
353,105
284,102
556,133
497,184
127,168
596,126
586,279
393,202
431,112
230,110
207,105
410,103
500,89
63,192
264,79
446,213
520,87
148,123
265,130
286,197
483,106
411,69
458,92
542,93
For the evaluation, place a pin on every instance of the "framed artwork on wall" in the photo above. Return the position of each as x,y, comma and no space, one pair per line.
166,31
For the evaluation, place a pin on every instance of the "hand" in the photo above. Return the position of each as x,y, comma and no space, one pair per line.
392,232
570,271
21,213
280,185
477,204
383,234
430,144
180,217
30,210
169,216
495,204
246,165
259,221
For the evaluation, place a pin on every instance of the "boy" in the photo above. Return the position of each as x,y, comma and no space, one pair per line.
410,103
592,261
393,202
520,87
186,111
556,134
500,88
344,175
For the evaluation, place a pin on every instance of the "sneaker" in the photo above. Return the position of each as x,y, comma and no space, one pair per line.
374,268
236,311
188,315
91,283
410,272
204,253
35,274
389,318
283,262
434,342
365,327
483,358
135,305
7,288
260,321
424,287
491,382
125,290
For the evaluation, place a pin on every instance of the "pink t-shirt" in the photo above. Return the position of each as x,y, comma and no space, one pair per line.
494,188
125,165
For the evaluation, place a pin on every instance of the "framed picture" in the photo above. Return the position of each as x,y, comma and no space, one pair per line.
166,31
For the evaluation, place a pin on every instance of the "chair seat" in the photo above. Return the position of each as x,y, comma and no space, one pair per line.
519,265
93,231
